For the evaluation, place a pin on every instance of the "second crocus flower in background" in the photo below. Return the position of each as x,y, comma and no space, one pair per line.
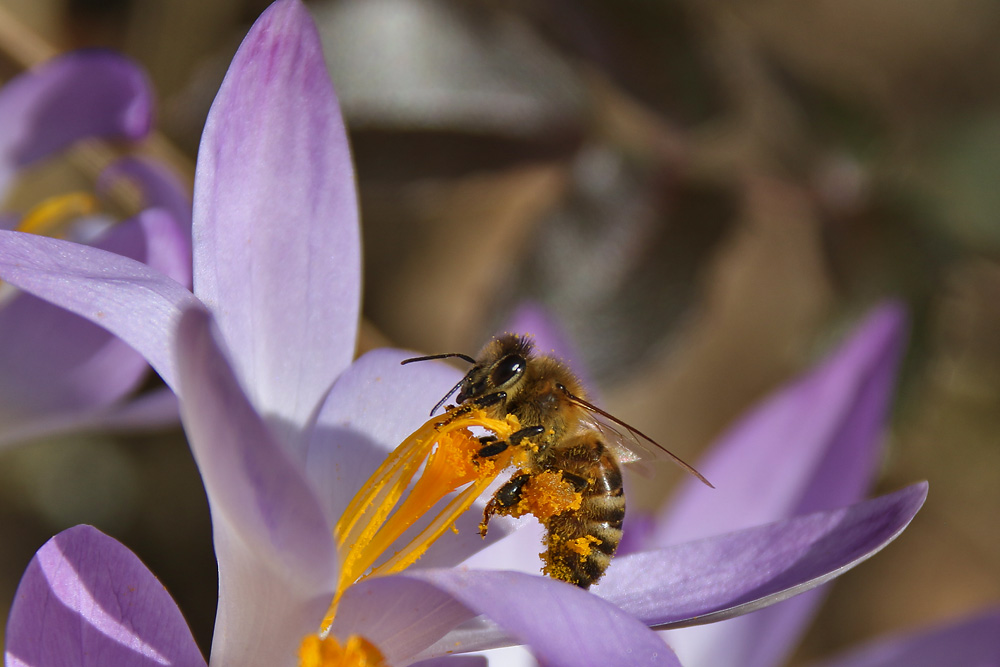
58,371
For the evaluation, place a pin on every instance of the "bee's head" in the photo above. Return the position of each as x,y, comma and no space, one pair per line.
500,367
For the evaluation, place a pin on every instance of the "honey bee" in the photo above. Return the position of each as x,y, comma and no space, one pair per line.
563,436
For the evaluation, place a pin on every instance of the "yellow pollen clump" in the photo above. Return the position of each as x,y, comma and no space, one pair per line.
55,214
583,545
446,450
328,652
548,494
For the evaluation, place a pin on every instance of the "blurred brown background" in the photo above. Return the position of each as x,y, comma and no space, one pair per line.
705,193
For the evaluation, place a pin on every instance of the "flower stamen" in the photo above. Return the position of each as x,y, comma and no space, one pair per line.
328,652
54,216
448,451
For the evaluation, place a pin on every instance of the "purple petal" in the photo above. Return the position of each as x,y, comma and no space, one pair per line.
87,600
812,446
254,488
128,298
562,624
160,187
75,96
733,574
56,361
971,641
277,255
154,410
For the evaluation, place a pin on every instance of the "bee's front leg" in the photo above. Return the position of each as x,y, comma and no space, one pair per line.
492,446
506,497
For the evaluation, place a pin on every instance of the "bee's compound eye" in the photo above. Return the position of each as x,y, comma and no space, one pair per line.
507,369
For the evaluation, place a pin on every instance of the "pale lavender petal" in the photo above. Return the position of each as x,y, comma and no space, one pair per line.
277,253
561,624
150,411
87,600
812,446
969,642
732,574
272,538
128,298
74,96
160,187
401,615
58,362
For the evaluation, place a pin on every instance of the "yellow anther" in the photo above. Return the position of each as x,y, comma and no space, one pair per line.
54,215
372,522
328,652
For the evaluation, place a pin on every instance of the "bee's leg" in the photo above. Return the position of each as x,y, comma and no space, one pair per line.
492,446
506,497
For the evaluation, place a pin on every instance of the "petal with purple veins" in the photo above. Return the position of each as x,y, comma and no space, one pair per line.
95,604
277,250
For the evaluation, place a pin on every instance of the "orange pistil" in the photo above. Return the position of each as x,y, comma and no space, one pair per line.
372,522
328,652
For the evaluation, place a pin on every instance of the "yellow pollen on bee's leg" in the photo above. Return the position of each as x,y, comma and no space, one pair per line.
54,215
329,652
372,522
548,494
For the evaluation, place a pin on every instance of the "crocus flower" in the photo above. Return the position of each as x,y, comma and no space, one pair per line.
285,429
59,371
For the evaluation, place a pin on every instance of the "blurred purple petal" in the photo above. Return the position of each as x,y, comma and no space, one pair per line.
970,642
92,602
160,187
533,319
154,410
736,573
128,298
812,446
74,96
277,254
560,623
272,539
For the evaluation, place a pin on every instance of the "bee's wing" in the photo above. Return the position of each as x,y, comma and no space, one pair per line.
635,445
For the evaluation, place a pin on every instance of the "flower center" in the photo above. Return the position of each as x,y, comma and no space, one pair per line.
328,652
448,451
54,216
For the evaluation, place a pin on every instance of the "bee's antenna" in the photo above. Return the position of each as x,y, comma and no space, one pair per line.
431,357
463,357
